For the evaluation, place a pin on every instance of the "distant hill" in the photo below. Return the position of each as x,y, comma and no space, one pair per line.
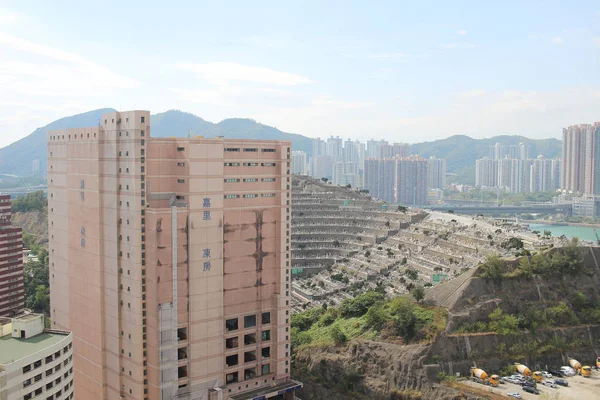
16,158
461,151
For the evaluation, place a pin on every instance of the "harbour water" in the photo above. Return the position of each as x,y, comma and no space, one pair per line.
581,232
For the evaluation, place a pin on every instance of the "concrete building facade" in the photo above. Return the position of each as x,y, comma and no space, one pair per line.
299,164
346,173
411,181
34,363
436,173
12,292
169,262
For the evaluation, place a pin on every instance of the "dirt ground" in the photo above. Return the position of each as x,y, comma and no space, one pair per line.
579,389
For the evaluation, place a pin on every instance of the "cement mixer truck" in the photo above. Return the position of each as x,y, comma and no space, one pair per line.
522,369
576,365
598,363
480,376
586,371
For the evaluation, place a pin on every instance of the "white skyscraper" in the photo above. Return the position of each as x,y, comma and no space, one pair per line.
299,164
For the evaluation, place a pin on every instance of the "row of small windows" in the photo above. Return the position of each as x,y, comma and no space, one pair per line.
249,149
235,180
249,164
54,137
249,196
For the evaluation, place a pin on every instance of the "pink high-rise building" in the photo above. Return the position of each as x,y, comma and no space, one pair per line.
169,262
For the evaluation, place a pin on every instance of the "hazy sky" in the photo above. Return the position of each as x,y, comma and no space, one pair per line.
400,70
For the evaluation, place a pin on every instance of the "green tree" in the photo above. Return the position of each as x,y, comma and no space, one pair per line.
42,299
403,314
418,293
376,317
503,324
493,267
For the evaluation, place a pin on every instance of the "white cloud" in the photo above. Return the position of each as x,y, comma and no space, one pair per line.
222,72
7,16
558,41
463,32
53,71
340,104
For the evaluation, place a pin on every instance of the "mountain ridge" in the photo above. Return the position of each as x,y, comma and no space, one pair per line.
460,150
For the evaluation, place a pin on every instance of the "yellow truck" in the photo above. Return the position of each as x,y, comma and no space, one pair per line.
537,375
522,369
586,371
576,365
480,376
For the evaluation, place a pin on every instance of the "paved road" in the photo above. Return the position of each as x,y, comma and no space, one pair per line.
579,389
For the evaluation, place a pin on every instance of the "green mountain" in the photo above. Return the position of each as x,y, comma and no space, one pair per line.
16,158
461,151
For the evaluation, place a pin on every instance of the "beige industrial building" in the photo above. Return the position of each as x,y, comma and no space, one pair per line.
170,262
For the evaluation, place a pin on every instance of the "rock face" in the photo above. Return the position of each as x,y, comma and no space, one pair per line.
375,370
33,222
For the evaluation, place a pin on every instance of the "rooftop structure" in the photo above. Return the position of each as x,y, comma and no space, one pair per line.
34,362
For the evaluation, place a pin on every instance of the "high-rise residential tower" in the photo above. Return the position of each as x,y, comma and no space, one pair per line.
299,164
436,173
574,157
11,262
169,262
411,180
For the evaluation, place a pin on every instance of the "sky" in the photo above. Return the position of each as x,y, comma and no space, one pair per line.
406,71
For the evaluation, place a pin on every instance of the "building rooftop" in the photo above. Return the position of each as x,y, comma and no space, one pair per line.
12,349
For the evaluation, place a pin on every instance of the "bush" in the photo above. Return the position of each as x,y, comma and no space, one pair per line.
404,318
503,324
359,305
35,201
418,293
412,274
339,338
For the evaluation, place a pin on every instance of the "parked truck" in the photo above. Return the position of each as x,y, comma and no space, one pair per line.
480,376
586,371
522,369
537,375
576,365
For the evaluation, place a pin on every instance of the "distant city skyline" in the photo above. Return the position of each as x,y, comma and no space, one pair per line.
393,71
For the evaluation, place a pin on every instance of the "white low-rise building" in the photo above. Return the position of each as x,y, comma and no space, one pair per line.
34,362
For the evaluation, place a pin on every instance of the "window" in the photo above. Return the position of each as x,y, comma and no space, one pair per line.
231,180
250,179
181,164
180,197
231,324
252,150
265,352
266,318
232,149
268,195
181,149
231,343
249,373
268,150
231,360
250,164
268,179
268,164
250,196
232,164
250,356
266,335
249,321
232,196
143,119
266,369
232,378
249,339
180,180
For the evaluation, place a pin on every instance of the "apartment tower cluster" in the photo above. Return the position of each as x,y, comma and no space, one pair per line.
510,168
581,155
169,262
